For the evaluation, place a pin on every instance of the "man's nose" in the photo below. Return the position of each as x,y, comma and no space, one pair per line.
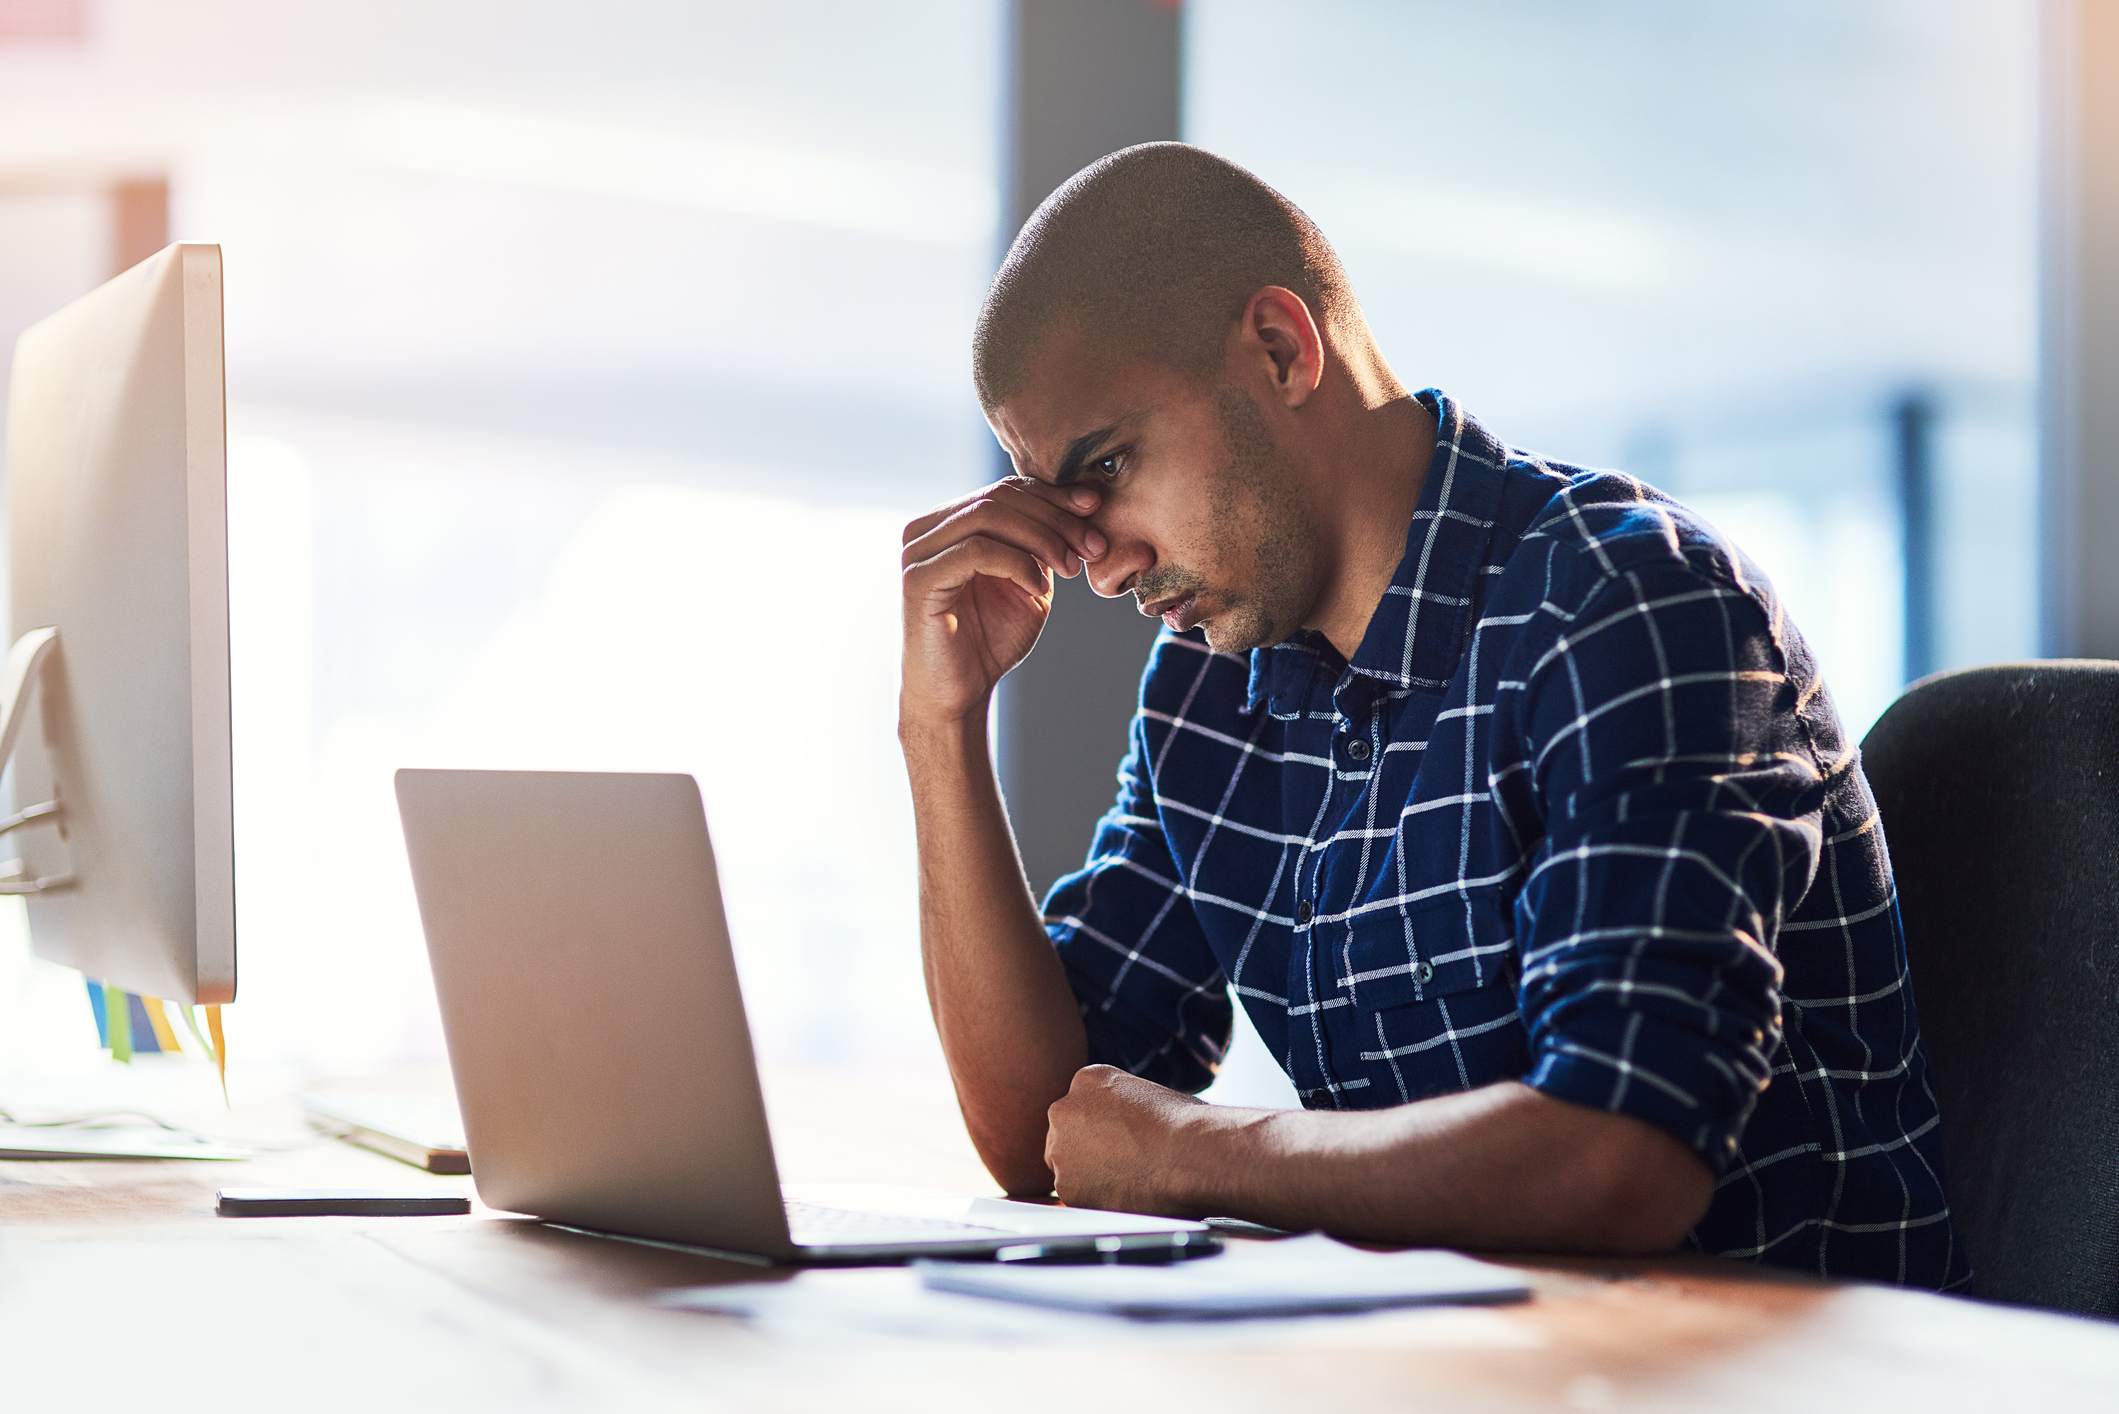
1111,572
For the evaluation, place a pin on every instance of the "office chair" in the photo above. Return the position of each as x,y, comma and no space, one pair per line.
1999,794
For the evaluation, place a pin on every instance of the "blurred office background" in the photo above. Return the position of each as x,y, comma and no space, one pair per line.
582,369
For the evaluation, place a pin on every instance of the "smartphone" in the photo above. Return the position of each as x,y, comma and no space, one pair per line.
336,1202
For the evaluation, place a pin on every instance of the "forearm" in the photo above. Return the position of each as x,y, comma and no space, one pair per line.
1501,1168
1007,1019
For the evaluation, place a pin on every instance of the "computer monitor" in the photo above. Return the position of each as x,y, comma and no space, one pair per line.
122,818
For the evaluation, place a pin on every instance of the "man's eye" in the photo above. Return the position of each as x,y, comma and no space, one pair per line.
1112,467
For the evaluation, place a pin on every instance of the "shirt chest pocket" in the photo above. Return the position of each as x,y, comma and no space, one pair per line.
1429,1001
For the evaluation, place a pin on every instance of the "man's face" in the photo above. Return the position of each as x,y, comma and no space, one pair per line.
1205,514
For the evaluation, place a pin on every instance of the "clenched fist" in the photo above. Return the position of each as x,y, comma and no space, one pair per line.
1119,1142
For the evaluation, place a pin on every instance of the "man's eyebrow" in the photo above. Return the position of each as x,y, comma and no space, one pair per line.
1084,448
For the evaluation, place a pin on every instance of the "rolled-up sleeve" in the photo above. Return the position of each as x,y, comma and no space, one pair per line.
1682,801
1153,999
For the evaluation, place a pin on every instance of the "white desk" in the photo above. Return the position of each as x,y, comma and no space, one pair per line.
118,1284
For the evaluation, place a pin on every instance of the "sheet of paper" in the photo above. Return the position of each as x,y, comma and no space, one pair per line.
1296,1276
111,1141
879,1302
891,1303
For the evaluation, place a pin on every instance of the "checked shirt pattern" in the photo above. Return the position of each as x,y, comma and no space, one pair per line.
1579,812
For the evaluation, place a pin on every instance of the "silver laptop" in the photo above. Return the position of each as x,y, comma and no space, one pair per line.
602,1059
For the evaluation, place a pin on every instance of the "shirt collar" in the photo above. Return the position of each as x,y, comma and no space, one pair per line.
1415,637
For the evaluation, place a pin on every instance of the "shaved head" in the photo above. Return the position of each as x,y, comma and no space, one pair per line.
1150,253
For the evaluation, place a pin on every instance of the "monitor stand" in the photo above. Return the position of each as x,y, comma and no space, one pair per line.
25,664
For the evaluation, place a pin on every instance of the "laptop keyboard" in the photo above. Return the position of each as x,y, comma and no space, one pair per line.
814,1224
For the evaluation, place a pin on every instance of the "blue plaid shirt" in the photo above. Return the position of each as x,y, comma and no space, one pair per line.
1578,812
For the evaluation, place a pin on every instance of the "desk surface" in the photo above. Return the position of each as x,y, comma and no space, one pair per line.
118,1277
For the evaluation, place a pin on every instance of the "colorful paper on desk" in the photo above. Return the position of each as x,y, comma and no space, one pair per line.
1300,1276
157,1018
117,1015
220,1048
147,1026
129,1024
126,1022
95,1004
217,1049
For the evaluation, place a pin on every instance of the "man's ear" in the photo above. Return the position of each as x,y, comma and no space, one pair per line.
1277,327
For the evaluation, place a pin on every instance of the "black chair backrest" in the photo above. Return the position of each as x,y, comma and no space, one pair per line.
1999,794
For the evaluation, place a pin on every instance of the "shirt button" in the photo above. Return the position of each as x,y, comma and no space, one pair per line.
1423,973
1304,913
1358,749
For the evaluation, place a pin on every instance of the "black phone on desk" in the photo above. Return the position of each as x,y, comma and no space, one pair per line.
336,1202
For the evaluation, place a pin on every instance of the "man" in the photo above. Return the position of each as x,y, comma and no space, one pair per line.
1500,792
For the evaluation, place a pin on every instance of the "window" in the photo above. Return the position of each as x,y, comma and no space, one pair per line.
581,371
1719,246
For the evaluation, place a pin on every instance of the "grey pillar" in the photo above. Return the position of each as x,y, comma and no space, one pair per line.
1088,77
1912,417
2079,347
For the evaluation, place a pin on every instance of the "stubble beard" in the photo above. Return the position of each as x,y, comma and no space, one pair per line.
1256,505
